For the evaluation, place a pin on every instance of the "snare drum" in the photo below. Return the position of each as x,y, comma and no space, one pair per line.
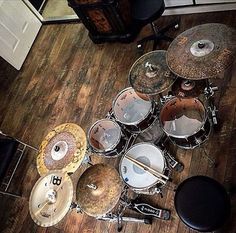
135,177
185,122
106,137
135,111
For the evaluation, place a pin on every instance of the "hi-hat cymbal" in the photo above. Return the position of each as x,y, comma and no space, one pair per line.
202,52
63,149
188,88
150,73
99,189
50,198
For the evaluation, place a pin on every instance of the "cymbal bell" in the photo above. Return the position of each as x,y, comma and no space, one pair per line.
99,189
188,88
150,74
51,198
202,52
63,149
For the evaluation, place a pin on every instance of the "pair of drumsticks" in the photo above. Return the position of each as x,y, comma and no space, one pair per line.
161,177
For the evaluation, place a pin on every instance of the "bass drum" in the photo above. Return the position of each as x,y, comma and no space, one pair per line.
105,137
185,122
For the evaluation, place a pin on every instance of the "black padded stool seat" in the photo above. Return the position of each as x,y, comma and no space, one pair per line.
147,11
202,203
8,147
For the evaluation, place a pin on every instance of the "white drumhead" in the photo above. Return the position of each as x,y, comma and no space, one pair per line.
133,175
130,108
104,135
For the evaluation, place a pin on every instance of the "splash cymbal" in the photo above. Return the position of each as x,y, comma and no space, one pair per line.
63,149
150,73
50,198
188,88
99,189
202,52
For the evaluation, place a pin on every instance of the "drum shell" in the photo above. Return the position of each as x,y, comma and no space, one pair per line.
144,124
195,140
116,149
196,131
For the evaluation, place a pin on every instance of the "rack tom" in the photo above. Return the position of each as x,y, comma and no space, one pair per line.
106,137
135,111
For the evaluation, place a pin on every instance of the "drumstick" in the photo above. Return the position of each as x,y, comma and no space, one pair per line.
147,168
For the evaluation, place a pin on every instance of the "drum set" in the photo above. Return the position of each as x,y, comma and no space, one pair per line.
170,98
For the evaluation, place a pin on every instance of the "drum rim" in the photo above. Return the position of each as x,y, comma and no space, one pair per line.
183,136
108,149
199,144
149,186
131,123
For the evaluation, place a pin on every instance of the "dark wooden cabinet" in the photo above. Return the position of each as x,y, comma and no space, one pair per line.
106,20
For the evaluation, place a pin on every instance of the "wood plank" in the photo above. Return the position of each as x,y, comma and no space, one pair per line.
67,78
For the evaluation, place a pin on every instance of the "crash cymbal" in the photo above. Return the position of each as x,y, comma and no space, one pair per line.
98,189
202,52
188,88
62,149
50,198
150,73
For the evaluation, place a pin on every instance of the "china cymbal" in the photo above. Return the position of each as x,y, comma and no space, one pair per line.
51,198
62,149
99,189
150,73
202,52
188,88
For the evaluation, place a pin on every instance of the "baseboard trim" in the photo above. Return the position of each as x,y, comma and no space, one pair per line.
200,9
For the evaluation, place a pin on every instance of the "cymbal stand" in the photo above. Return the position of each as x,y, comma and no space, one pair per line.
209,93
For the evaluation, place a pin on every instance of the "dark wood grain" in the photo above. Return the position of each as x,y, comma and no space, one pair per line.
67,78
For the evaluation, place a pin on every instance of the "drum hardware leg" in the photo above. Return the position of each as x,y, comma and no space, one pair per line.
173,164
212,161
120,219
213,111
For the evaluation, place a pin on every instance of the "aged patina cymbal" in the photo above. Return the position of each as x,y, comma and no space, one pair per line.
63,149
202,52
150,73
188,88
99,189
51,198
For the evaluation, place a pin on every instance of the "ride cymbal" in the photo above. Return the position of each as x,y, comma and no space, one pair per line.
63,149
202,52
150,73
99,189
51,198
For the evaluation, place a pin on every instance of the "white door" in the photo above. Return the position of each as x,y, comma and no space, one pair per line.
18,29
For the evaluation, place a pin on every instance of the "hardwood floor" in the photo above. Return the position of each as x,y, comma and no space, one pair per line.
67,78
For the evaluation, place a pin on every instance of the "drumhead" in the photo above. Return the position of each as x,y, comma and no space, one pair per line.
182,117
136,177
130,108
104,135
